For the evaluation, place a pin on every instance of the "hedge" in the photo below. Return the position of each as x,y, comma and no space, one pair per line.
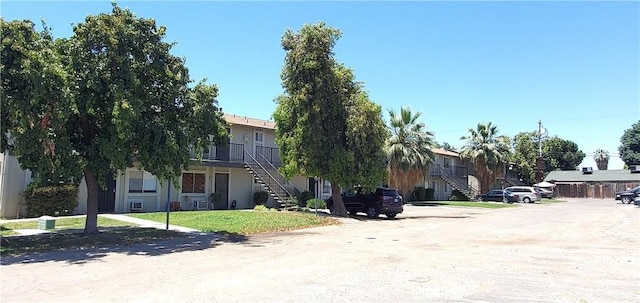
53,200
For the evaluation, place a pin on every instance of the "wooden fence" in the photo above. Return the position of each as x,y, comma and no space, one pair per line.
596,190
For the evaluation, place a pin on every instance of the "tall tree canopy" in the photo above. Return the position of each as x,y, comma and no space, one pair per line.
525,152
327,126
488,151
107,98
601,157
561,154
408,150
630,145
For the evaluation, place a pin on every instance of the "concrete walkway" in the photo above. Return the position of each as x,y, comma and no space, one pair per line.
119,217
147,223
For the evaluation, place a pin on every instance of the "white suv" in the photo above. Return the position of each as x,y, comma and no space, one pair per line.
526,194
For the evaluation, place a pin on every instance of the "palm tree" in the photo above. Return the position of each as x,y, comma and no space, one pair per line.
488,151
602,158
408,150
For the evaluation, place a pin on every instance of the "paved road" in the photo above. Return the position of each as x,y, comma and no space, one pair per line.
578,251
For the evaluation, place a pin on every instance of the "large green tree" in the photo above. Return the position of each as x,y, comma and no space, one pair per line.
35,102
488,151
525,152
109,97
408,150
327,126
630,145
561,154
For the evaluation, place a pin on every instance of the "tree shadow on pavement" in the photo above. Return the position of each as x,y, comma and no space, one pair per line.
96,247
431,217
402,217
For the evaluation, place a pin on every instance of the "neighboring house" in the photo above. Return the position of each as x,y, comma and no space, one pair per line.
247,164
448,172
588,183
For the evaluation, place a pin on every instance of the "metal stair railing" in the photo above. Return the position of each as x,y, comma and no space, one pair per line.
272,183
273,171
460,185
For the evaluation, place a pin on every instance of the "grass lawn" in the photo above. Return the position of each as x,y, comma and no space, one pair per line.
7,229
239,221
74,241
463,203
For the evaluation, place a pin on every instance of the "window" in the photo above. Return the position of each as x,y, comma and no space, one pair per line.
326,187
142,182
193,183
259,137
446,162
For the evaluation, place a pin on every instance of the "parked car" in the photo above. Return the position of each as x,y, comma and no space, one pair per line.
498,195
627,196
526,194
544,193
637,201
383,201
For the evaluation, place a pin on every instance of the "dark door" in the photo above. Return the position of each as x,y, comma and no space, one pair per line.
312,186
222,151
107,195
222,186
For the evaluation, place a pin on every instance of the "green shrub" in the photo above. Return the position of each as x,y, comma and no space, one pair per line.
430,192
420,193
408,197
260,208
260,197
53,200
311,203
293,201
304,197
458,196
215,200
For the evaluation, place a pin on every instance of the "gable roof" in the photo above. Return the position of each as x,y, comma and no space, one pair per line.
441,151
248,121
613,175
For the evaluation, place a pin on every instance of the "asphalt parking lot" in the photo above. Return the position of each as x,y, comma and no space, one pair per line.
575,251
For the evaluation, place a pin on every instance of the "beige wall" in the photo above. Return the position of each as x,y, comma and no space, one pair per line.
241,183
241,188
13,181
300,182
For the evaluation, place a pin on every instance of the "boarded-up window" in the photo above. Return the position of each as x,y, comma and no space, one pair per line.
193,183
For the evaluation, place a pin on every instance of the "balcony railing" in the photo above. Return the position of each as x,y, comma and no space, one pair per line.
459,171
232,152
270,154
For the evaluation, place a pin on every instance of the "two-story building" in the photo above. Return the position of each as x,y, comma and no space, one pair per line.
246,164
448,172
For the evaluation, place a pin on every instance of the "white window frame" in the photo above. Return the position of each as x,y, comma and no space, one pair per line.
258,137
149,182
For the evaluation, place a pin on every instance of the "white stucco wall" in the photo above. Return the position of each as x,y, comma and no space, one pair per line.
13,181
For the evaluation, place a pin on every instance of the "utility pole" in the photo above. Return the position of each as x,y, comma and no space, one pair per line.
539,159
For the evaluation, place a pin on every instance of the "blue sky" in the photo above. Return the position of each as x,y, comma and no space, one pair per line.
573,65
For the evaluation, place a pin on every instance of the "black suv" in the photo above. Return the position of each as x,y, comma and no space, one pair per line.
627,196
383,201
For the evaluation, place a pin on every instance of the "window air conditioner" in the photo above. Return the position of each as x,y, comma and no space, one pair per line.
200,204
136,205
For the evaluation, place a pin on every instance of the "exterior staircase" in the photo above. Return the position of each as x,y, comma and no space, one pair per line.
512,179
265,173
457,182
